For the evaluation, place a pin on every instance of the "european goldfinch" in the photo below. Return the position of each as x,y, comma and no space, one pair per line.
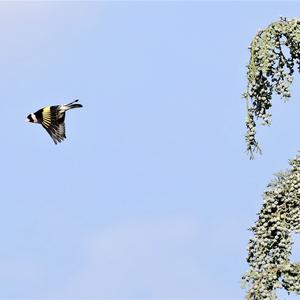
52,118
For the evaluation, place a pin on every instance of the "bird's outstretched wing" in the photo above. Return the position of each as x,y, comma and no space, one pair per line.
57,133
54,125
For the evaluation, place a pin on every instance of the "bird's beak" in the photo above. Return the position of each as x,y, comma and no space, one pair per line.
26,120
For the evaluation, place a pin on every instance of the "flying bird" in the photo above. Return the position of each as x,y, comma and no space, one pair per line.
52,118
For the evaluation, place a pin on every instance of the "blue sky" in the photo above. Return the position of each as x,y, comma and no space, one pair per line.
152,193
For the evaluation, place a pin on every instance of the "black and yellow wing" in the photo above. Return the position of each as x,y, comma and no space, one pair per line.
54,122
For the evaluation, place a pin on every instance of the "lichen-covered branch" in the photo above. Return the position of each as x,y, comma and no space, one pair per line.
274,53
270,248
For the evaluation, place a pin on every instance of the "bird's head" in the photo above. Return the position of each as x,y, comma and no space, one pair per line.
31,118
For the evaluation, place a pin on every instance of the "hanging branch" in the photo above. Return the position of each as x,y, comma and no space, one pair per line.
274,52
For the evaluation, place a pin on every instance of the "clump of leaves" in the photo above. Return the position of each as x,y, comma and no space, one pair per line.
274,54
270,248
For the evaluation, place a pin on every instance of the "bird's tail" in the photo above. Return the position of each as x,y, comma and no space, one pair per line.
73,104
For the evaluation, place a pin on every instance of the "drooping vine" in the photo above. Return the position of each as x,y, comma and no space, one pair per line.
274,55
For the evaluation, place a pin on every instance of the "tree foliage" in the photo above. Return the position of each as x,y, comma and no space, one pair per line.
270,248
275,51
274,54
